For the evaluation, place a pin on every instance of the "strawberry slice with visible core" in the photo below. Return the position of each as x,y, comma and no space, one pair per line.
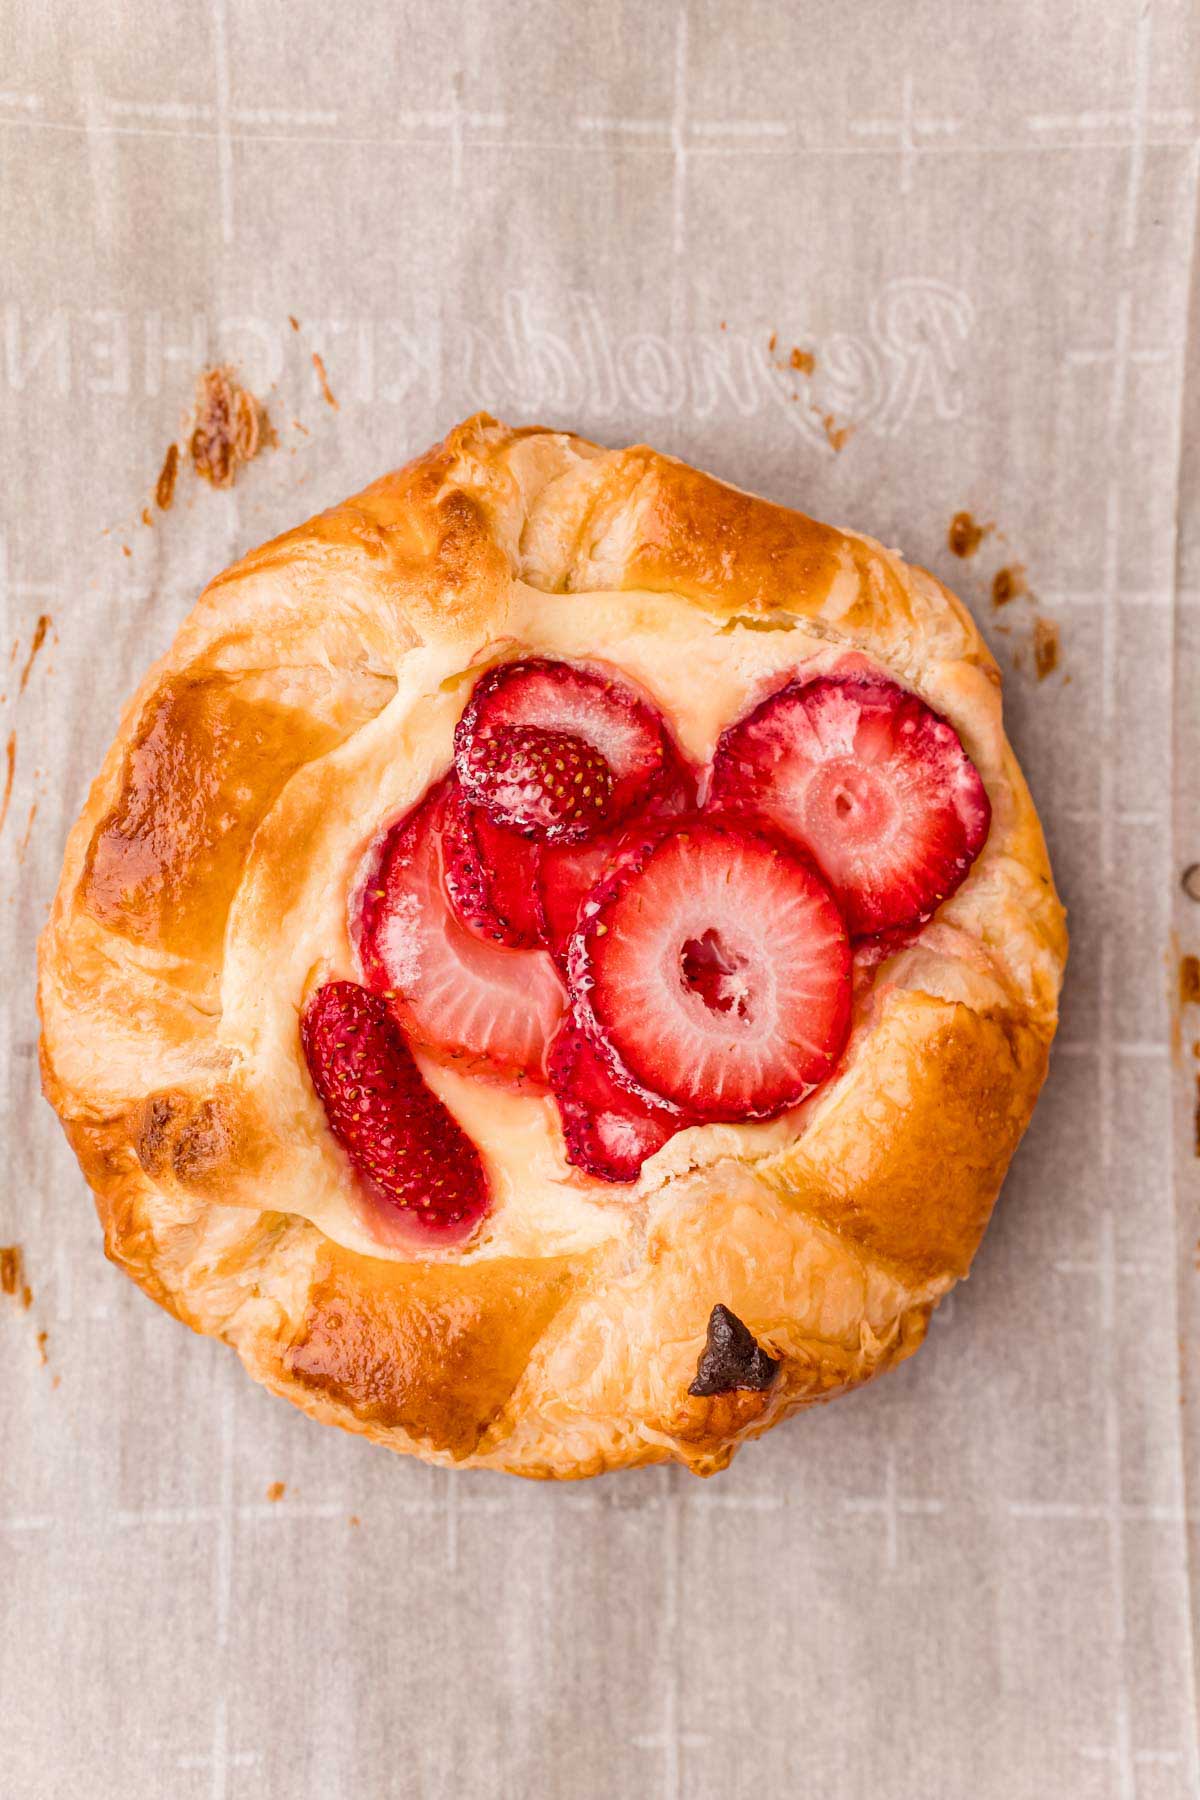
873,784
421,1176
609,1131
491,876
452,991
712,970
603,714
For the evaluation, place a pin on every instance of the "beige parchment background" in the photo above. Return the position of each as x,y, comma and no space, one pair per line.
974,1579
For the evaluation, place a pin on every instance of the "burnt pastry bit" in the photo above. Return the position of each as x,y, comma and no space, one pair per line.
450,1095
732,1358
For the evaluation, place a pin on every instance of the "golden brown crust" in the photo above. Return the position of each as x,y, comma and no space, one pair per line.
432,1352
309,696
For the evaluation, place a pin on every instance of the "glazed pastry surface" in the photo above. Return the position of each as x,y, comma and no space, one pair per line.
208,890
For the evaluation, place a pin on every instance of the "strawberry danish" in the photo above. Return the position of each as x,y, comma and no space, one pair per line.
557,961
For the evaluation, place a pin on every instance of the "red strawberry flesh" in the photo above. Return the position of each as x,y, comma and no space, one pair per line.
421,1177
873,784
711,969
458,995
491,876
544,784
609,1131
602,713
567,873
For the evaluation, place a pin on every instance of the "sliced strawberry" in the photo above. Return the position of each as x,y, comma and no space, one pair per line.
712,969
872,783
593,706
567,873
544,784
452,991
609,1130
491,876
421,1175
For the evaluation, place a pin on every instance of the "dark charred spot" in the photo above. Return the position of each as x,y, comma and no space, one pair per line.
731,1358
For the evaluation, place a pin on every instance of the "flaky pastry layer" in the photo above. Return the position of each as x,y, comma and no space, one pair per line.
310,699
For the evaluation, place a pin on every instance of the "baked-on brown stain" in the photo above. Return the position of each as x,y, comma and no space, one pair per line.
39,637
293,322
965,534
164,487
12,1274
1008,584
1046,647
276,1491
43,1338
1189,980
10,754
322,377
803,360
836,434
230,429
772,340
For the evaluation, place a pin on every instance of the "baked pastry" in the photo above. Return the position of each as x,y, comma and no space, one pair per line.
557,960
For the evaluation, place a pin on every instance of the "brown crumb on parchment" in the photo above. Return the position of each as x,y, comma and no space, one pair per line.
230,428
164,488
965,534
10,756
1189,980
836,434
322,377
1046,646
276,1491
12,1275
1008,584
39,637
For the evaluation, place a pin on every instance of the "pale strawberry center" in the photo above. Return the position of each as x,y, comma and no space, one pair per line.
717,973
849,805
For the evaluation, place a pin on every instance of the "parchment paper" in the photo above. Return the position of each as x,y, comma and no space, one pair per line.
973,1579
